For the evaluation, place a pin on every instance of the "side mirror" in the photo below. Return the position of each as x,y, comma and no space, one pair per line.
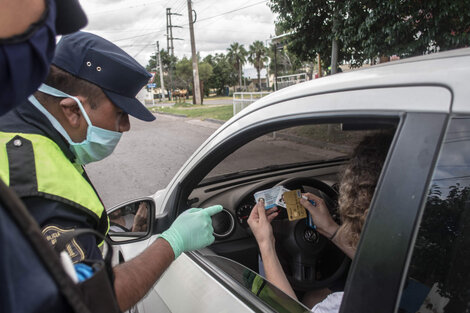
131,221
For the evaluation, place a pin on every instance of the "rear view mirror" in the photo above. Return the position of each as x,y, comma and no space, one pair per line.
131,222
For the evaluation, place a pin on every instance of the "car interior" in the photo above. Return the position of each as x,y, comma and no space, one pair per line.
309,158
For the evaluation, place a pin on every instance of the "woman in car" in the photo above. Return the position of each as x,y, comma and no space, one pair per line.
357,186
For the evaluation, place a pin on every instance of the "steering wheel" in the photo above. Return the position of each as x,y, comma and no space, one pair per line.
309,260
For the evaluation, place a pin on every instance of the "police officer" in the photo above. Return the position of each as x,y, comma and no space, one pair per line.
27,41
77,117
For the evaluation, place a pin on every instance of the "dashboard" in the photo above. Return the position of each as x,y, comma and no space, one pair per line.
237,196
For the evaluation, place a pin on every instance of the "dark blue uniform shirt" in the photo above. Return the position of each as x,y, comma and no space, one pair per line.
51,213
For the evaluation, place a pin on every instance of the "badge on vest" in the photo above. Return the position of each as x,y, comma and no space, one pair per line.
73,248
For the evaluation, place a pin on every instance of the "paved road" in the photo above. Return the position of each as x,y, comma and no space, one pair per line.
147,157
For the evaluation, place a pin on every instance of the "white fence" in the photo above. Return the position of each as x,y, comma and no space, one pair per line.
243,99
289,80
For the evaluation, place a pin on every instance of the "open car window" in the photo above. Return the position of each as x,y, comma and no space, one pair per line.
294,145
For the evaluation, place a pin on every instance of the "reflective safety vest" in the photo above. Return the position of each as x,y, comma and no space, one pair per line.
34,165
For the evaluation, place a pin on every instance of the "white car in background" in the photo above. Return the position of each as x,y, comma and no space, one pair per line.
414,250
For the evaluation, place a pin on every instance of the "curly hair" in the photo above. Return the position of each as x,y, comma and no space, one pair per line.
358,181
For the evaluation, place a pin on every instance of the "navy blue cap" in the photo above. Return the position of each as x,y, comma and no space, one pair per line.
104,64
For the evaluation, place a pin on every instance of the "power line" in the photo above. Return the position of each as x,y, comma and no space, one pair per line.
230,31
231,11
138,36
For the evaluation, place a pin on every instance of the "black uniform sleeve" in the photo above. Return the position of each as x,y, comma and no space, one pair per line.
56,217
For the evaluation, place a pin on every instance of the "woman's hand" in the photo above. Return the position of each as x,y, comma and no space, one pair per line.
320,214
140,219
260,224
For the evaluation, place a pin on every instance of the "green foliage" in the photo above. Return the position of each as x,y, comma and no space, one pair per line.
237,57
184,73
205,71
257,56
370,28
311,24
167,61
223,75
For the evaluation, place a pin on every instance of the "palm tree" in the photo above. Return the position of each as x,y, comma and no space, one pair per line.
237,56
257,56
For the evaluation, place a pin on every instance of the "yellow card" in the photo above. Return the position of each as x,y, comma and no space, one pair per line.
295,211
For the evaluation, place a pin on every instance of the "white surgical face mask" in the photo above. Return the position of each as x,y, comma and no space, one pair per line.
99,142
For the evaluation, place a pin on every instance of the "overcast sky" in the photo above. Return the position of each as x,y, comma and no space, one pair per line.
135,25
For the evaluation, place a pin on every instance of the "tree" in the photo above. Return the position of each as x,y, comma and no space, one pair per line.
168,61
310,26
184,73
237,55
369,28
257,56
376,28
222,73
205,72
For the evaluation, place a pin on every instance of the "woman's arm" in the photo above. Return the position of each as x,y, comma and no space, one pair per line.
260,224
325,223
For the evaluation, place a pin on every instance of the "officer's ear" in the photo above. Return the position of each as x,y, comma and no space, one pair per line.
71,111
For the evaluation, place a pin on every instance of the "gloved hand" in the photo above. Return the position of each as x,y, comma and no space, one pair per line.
191,230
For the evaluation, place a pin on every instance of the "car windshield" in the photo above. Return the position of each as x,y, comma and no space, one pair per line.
258,285
288,147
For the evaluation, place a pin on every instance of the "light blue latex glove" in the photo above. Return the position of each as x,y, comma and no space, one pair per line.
192,230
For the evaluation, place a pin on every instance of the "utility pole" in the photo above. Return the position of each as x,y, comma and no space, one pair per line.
196,89
169,42
267,67
162,85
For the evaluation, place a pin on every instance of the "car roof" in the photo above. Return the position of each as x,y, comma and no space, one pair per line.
450,69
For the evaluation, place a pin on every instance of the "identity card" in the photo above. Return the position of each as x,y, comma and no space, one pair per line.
272,197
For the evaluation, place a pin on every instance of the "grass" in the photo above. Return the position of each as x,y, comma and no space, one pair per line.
219,112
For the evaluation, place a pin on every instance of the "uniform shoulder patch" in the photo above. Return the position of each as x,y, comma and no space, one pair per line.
73,248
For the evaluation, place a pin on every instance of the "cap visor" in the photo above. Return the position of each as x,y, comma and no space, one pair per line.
70,17
131,106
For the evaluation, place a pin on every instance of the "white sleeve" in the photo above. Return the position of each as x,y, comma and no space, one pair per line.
331,303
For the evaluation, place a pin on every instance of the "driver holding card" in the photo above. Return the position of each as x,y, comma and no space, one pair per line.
364,166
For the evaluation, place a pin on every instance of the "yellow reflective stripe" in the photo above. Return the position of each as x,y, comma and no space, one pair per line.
55,174
107,231
4,168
